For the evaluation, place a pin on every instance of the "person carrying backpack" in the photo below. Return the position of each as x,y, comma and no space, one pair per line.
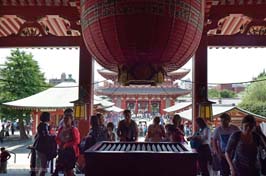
220,139
44,144
202,137
242,149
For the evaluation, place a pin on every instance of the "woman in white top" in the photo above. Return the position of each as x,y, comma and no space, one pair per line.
156,132
203,136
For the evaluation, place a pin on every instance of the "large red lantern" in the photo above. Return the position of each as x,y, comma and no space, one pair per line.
142,39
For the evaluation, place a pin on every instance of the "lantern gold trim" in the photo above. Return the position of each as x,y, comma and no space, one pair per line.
205,109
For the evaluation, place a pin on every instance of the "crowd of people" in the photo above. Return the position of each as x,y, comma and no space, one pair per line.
227,150
230,150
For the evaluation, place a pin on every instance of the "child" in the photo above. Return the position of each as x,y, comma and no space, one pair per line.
111,134
4,156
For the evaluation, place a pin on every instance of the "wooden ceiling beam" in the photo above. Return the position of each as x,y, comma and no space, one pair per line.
256,11
46,41
237,40
35,12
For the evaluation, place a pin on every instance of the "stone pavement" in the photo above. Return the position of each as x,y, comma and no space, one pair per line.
19,163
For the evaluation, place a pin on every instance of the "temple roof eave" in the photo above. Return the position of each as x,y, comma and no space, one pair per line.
147,92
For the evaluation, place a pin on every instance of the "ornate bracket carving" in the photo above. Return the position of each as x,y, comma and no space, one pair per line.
32,29
255,27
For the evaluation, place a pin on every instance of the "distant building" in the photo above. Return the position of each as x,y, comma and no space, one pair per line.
186,84
143,99
232,87
63,78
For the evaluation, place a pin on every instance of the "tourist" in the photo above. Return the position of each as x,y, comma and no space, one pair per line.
156,132
179,135
41,143
127,129
68,139
102,129
110,129
202,136
12,128
262,148
220,139
170,133
4,156
2,134
97,133
242,149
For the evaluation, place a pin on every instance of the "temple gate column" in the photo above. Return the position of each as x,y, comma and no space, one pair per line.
200,77
86,93
86,79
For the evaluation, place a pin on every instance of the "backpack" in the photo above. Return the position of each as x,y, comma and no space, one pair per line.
87,142
195,143
52,148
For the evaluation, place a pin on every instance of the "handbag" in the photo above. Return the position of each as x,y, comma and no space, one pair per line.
195,143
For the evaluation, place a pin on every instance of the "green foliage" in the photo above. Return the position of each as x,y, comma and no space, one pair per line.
20,78
254,99
262,74
213,93
256,91
227,94
254,107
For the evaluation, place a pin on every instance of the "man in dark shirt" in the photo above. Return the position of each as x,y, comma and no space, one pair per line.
127,129
4,156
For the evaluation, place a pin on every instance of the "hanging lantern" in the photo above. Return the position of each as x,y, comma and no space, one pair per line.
142,39
205,109
79,110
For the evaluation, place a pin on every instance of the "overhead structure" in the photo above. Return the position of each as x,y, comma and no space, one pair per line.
46,23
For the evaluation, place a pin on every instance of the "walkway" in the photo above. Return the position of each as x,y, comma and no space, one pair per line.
19,165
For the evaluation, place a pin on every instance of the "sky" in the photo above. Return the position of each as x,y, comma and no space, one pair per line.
224,65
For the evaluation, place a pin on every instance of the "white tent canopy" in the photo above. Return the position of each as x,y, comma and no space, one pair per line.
114,109
216,110
59,96
177,107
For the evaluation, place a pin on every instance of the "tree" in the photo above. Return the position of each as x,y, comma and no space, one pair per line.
227,94
213,93
254,99
20,77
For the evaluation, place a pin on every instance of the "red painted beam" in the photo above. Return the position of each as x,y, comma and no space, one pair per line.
237,40
36,12
46,41
254,11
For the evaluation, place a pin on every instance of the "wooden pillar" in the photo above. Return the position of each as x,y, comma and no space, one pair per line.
123,102
136,105
86,94
200,77
162,105
149,105
86,79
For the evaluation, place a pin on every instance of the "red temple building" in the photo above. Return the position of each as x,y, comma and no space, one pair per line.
143,99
